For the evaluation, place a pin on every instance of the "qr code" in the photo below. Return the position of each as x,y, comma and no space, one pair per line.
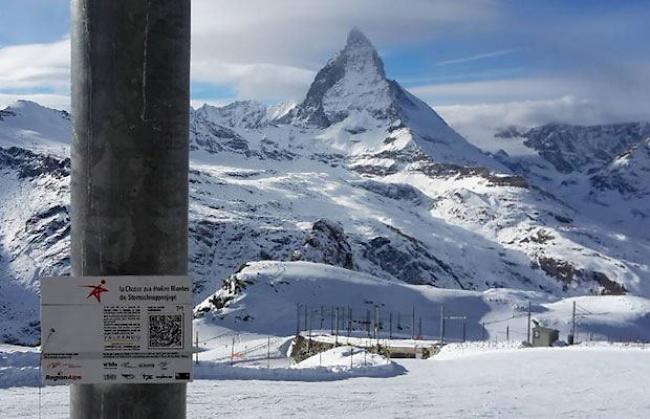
166,331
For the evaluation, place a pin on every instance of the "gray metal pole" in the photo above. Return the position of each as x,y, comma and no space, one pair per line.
130,117
306,317
442,323
573,325
528,327
297,319
413,323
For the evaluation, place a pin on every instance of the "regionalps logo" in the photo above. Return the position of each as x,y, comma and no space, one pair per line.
62,377
96,290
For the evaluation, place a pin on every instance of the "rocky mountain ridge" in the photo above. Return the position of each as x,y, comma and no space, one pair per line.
360,175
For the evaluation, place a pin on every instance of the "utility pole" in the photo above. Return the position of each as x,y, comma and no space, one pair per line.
413,323
336,336
306,317
297,319
130,164
529,320
349,323
376,329
572,337
232,351
322,318
196,339
310,319
368,322
442,323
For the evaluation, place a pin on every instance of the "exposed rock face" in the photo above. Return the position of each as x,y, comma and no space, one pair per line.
326,243
574,148
353,80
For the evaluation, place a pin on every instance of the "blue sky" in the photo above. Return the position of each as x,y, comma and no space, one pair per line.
516,61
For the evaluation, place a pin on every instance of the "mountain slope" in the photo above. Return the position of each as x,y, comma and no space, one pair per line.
599,170
361,175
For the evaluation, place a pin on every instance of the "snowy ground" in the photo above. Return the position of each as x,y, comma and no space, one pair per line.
599,381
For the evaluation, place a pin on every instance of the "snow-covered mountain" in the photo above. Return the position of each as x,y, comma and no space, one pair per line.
600,170
361,175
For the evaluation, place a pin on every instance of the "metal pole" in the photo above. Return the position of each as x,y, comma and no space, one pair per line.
529,320
309,336
197,347
306,317
413,323
297,319
349,323
130,118
322,318
390,325
573,325
376,326
336,336
442,323
232,351
368,322
508,333
464,330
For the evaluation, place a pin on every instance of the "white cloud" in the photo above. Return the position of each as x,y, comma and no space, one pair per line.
259,81
478,57
478,122
477,109
34,66
496,90
299,32
271,49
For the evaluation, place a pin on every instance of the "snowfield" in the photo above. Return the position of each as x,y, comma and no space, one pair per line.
601,381
263,298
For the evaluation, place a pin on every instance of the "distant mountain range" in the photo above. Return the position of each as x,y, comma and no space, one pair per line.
361,175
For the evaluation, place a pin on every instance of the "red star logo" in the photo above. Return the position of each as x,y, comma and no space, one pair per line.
96,290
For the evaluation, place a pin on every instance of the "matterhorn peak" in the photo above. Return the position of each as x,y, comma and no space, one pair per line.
354,79
360,54
357,38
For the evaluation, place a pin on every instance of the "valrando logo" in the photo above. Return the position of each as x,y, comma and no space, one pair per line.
96,290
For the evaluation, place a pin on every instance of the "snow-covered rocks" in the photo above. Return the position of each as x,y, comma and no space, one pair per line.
345,359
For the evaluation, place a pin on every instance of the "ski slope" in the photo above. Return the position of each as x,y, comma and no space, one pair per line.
577,382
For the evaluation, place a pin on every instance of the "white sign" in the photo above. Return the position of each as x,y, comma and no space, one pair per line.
116,329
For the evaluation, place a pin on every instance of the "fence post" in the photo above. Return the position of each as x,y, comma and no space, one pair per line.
196,338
